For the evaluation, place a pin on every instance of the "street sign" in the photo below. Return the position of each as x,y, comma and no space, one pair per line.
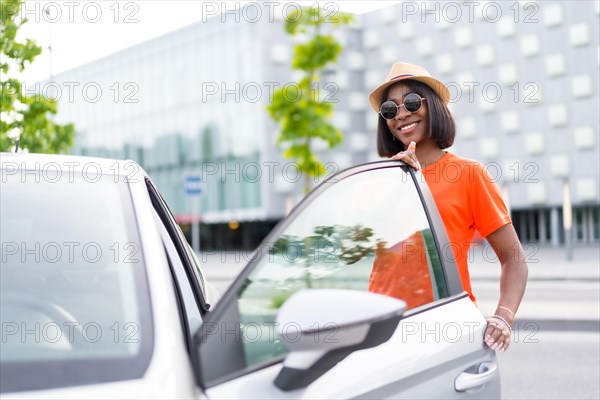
193,185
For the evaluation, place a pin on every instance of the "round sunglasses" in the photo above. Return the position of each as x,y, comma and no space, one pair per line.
412,103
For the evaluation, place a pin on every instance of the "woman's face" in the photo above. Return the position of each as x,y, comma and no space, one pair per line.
407,126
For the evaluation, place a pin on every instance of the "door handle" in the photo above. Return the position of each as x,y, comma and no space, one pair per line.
467,380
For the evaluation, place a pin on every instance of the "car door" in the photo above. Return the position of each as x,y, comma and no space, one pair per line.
371,228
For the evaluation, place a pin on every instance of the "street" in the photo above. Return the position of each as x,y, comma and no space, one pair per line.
554,365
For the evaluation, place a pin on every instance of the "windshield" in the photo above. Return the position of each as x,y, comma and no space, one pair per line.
74,299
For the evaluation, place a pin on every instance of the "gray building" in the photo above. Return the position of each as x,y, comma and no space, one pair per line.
524,78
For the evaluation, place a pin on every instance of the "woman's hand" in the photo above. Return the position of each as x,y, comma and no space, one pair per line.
409,156
497,334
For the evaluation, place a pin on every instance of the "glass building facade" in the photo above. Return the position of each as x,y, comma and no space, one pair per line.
524,78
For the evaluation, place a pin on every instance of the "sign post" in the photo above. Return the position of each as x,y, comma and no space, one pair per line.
193,188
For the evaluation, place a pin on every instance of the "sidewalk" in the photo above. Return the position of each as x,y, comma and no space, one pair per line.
545,263
558,291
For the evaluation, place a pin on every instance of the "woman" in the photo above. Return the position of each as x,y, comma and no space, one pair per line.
415,126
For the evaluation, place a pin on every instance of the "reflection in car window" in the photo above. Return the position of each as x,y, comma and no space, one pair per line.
73,286
367,232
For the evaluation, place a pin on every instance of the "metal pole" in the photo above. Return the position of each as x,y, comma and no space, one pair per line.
567,219
195,224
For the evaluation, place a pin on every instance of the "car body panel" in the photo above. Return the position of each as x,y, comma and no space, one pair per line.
395,369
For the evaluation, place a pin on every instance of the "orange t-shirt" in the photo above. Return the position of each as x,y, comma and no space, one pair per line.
402,271
468,200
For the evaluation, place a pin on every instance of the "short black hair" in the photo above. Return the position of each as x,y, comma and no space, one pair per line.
442,128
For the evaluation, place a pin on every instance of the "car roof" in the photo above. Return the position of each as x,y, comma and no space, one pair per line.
34,161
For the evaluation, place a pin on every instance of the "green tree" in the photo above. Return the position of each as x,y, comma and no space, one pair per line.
348,244
25,116
301,114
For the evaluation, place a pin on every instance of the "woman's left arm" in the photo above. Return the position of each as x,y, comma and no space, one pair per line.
513,280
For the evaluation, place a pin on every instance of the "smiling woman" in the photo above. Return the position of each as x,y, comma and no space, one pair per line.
415,126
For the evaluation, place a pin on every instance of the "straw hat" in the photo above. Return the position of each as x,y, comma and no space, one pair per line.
401,71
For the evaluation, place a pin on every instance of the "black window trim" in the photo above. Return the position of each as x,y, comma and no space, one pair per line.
166,217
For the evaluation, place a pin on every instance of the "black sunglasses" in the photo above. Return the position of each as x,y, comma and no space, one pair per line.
412,103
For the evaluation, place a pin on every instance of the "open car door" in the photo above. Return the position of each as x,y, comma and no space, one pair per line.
354,294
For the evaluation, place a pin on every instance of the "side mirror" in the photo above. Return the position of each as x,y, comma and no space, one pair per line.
321,327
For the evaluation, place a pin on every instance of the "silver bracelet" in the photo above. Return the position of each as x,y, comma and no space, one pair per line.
507,309
503,320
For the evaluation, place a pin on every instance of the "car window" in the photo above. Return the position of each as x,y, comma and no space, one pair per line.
367,232
73,290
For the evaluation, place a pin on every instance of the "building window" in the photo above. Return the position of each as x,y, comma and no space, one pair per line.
587,189
584,137
536,192
340,79
555,64
508,73
357,101
559,165
444,63
389,54
489,148
557,115
582,85
371,39
553,15
463,37
465,77
510,121
406,30
424,46
340,36
387,15
485,54
506,26
341,120
356,61
580,34
373,78
371,121
487,106
280,53
342,160
530,45
467,127
359,141
534,143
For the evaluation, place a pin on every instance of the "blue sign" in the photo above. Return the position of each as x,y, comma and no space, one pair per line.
193,185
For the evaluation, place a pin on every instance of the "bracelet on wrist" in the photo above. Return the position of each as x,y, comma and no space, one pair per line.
503,320
507,309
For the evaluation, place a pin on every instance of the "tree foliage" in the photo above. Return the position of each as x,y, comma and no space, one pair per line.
22,116
301,112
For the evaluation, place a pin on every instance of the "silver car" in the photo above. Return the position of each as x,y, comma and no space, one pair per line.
355,294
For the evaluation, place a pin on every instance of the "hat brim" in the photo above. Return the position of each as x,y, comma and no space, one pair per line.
438,87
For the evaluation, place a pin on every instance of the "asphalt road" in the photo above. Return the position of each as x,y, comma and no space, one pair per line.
552,365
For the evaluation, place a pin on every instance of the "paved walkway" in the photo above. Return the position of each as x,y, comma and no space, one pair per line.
557,290
545,263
